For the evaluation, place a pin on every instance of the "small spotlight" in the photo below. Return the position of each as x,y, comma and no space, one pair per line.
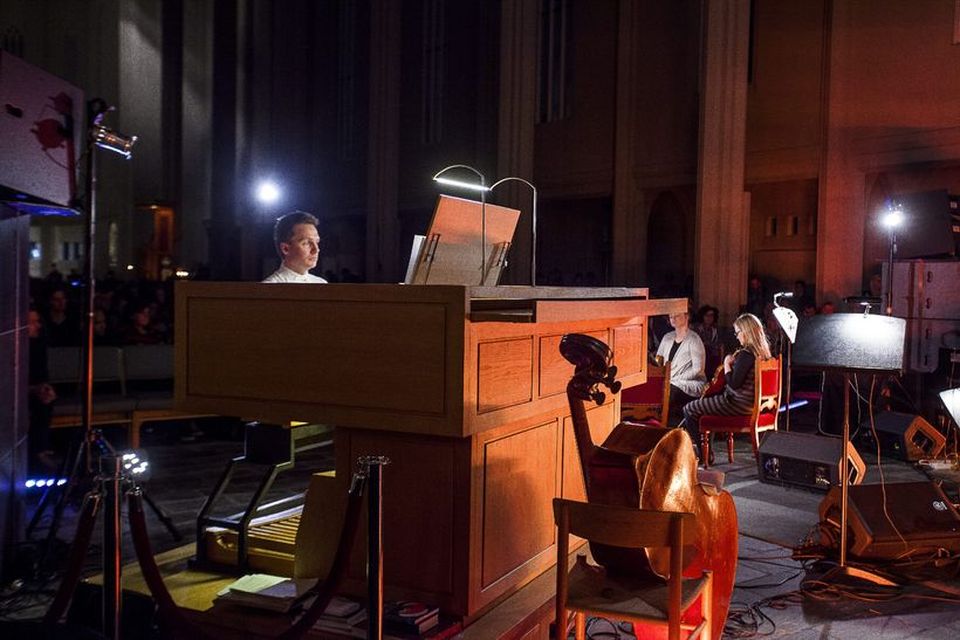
30,484
130,267
268,192
893,217
61,482
182,273
114,141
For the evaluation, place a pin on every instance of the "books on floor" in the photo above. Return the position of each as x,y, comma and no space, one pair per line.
343,616
267,592
407,617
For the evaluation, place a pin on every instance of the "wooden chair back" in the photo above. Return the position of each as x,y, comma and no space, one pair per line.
626,527
650,399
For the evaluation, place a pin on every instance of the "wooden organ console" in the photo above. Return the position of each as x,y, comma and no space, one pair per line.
463,388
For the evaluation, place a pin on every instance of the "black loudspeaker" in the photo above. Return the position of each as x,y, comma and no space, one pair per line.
805,460
916,517
41,124
903,435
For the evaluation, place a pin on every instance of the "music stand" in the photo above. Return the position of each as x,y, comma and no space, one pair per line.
850,343
450,251
951,402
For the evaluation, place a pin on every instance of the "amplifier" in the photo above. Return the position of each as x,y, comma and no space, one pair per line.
904,436
918,518
806,460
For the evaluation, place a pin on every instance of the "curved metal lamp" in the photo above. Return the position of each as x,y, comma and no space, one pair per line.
483,189
533,224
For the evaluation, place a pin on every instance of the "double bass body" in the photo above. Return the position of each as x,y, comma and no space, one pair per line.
648,468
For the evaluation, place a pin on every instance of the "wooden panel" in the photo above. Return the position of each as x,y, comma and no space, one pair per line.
274,352
602,422
555,371
421,510
628,349
504,373
519,483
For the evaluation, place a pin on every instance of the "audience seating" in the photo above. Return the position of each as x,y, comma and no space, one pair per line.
133,385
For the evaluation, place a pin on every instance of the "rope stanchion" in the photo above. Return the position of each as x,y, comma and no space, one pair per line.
81,542
324,589
151,572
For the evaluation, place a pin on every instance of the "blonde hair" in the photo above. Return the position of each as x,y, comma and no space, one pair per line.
754,337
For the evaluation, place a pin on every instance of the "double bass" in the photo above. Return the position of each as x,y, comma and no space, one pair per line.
648,467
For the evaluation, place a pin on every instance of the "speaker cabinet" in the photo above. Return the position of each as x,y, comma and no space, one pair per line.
806,460
921,520
904,436
41,123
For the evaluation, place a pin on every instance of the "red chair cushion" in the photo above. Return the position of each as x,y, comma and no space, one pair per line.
649,393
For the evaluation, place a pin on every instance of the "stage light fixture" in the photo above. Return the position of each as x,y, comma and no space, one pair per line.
113,141
268,192
892,220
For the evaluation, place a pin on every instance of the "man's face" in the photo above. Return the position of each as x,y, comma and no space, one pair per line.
303,250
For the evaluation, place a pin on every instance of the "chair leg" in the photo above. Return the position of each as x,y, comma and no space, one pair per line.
756,445
580,626
706,607
705,449
730,447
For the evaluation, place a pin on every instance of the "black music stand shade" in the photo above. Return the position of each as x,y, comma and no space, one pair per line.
850,342
951,400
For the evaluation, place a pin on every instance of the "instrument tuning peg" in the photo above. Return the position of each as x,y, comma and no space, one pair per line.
615,387
612,372
599,397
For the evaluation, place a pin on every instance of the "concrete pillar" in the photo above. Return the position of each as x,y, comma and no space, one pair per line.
517,119
629,209
723,220
383,142
841,214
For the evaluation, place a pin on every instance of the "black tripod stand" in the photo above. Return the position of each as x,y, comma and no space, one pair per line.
91,443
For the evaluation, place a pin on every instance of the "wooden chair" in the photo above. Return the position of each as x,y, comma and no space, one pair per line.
650,400
641,600
766,407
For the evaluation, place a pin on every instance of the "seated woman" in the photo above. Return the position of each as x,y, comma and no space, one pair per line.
736,399
683,348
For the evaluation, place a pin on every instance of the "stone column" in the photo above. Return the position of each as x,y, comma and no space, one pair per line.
383,142
517,119
841,214
629,210
723,220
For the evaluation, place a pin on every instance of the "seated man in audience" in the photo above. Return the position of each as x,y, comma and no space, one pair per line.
683,348
298,243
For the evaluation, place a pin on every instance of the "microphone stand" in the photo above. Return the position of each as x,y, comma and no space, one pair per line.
787,320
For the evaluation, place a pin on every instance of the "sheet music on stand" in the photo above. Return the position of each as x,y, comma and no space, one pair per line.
850,343
449,253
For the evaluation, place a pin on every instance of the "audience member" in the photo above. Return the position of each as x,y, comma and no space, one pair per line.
41,397
62,324
706,324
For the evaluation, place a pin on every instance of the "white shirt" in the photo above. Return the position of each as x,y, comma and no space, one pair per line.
283,275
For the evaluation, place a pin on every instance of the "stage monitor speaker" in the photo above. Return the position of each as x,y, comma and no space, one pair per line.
921,520
904,436
805,460
41,124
